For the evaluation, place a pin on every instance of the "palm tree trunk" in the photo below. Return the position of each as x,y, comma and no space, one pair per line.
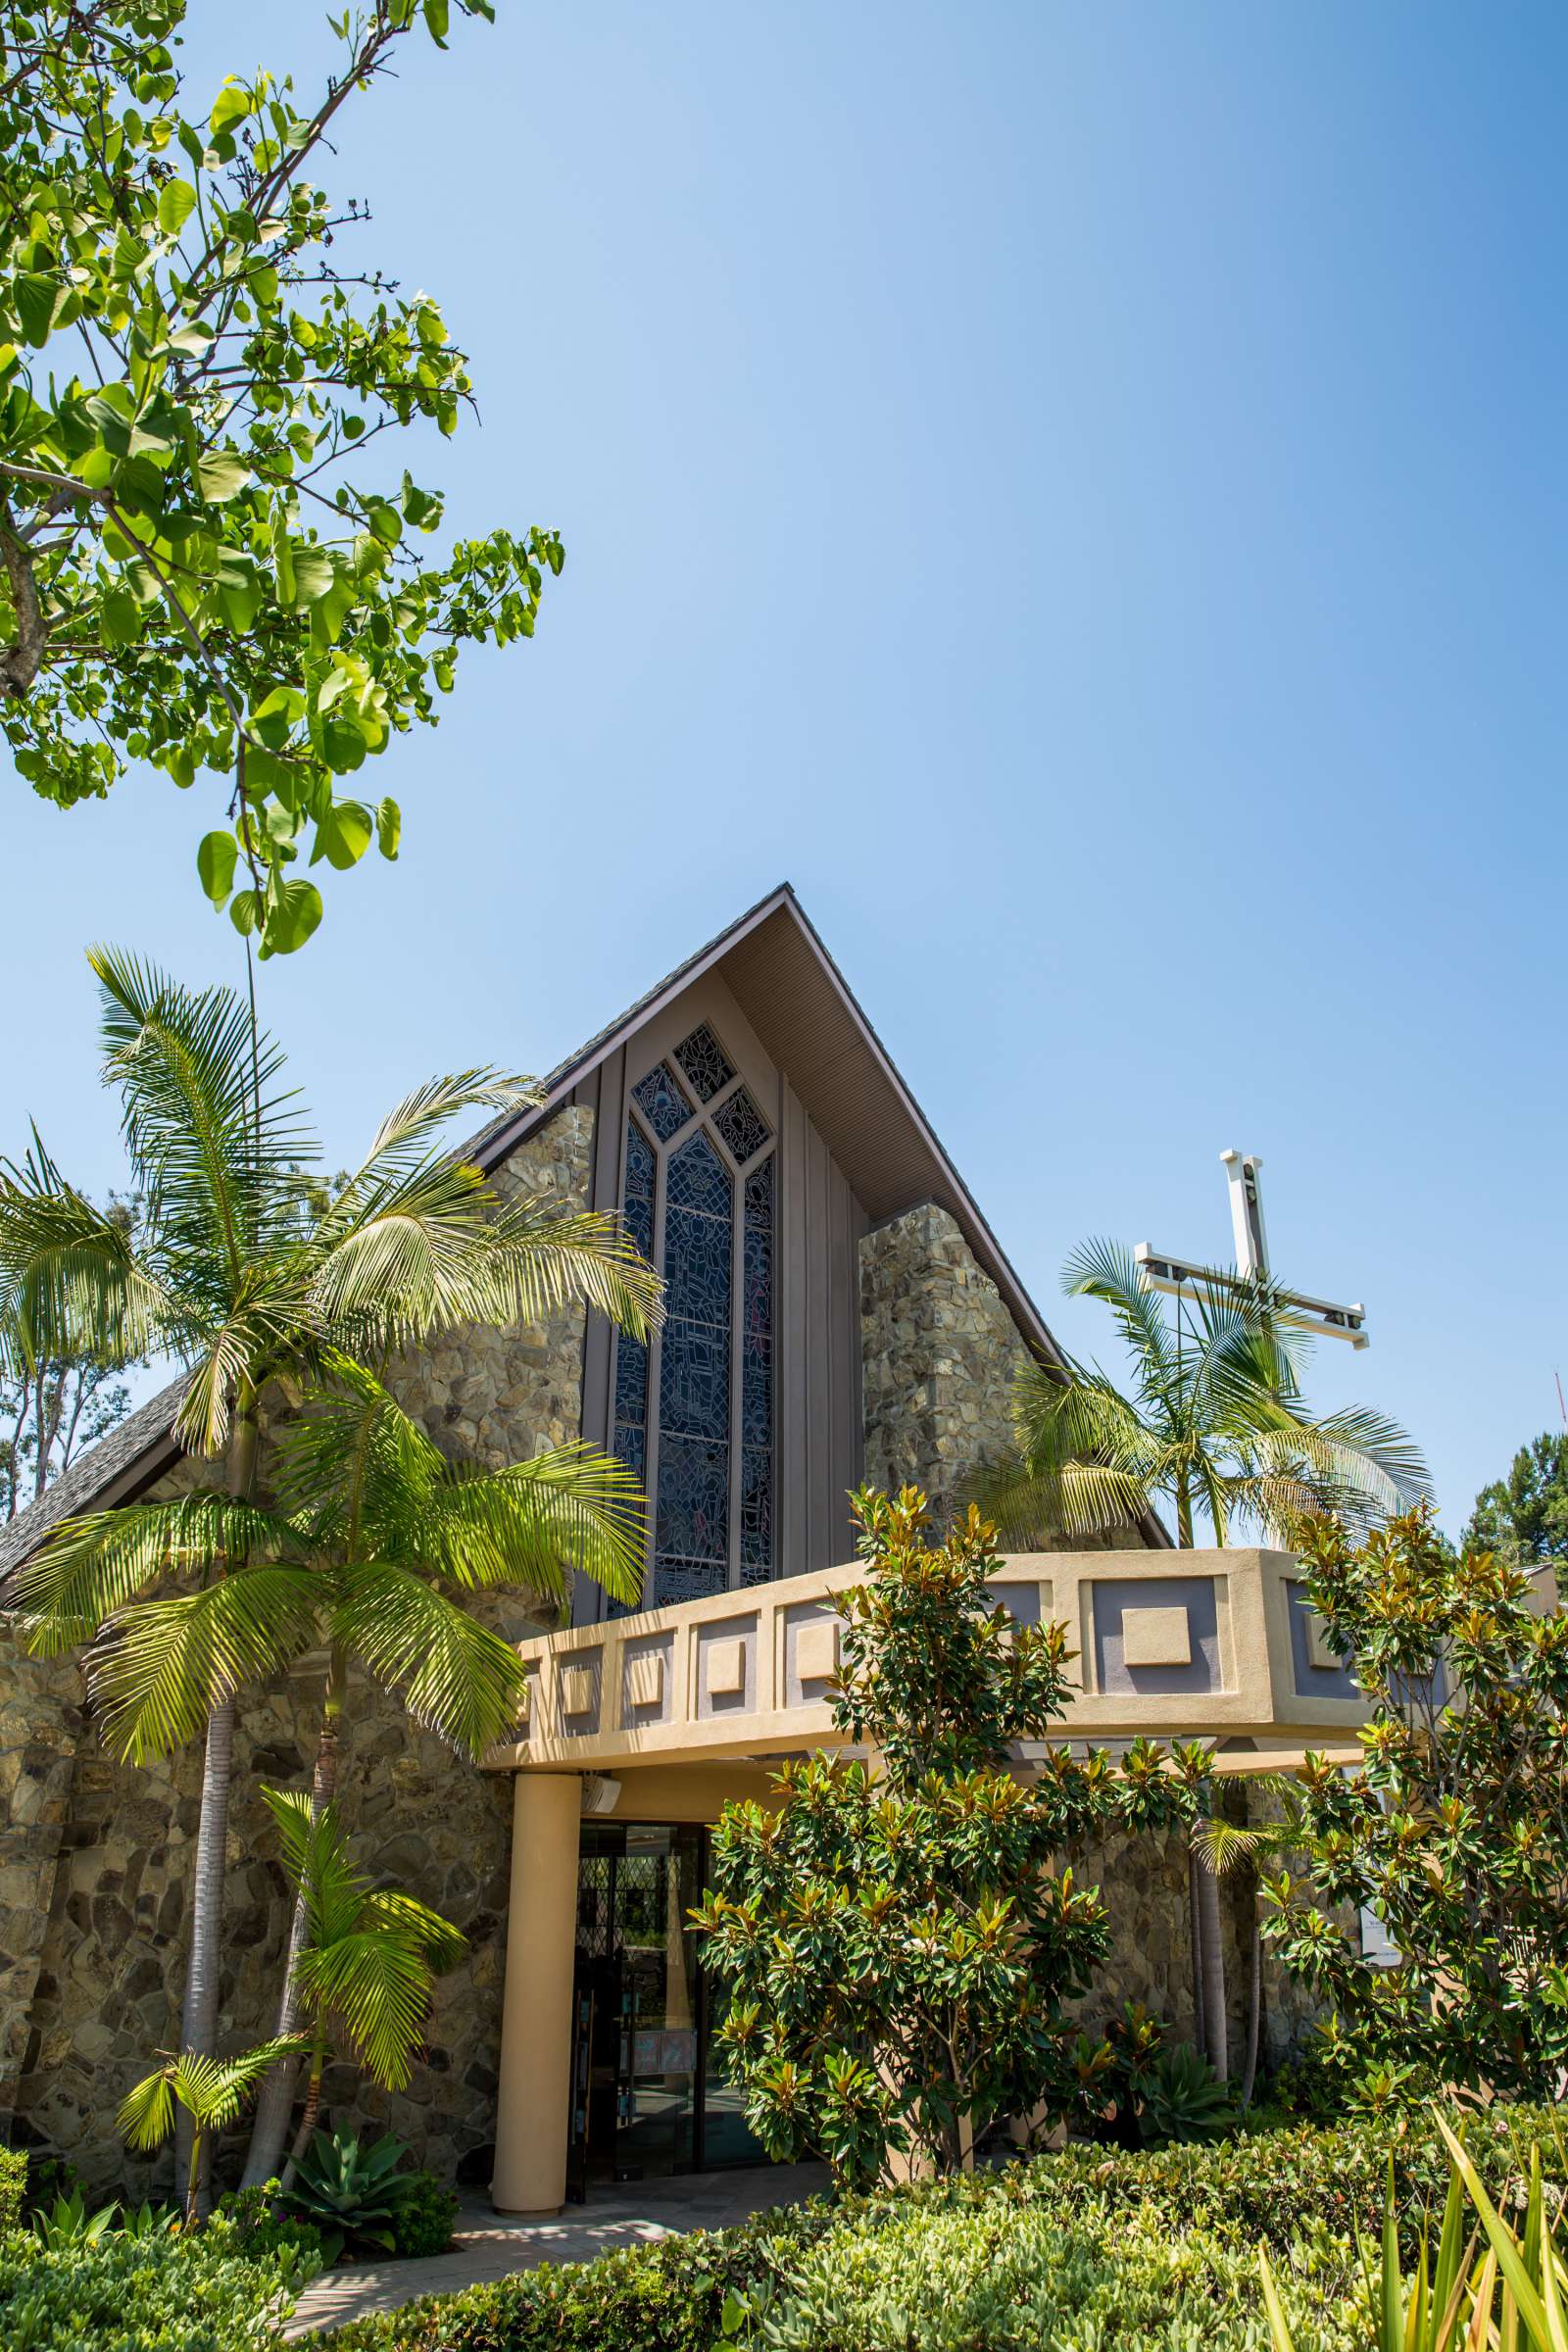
198,2027
1212,1941
198,2024
1254,2011
277,2101
313,2101
1195,1938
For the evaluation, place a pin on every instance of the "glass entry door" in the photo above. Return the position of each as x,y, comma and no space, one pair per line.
641,2101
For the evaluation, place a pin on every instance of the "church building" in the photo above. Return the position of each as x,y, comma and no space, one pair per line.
838,1312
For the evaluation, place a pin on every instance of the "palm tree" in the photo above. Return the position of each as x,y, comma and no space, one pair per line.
1214,1421
1220,1847
243,1276
376,1547
367,1958
208,2091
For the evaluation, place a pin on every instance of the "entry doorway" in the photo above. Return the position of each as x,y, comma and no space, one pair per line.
646,2100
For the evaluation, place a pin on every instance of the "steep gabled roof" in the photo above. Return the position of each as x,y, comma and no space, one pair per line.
808,1021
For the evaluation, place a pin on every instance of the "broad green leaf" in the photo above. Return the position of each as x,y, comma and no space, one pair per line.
312,573
232,105
436,14
215,862
244,911
343,743
175,205
388,827
222,473
387,524
292,917
35,296
119,618
343,835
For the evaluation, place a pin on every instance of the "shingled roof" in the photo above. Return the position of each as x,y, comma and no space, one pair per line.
809,1022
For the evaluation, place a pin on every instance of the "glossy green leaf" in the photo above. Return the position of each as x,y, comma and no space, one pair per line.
232,105
33,297
291,918
222,473
343,835
388,827
175,204
215,862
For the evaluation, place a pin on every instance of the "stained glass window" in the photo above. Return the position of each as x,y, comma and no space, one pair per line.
704,1060
711,1483
661,1099
742,1125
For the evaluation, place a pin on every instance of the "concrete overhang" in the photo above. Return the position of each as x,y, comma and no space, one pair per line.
1171,1645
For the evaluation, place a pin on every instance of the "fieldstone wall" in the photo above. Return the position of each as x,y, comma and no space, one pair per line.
940,1355
96,1856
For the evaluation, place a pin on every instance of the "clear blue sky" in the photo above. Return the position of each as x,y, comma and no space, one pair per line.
1078,490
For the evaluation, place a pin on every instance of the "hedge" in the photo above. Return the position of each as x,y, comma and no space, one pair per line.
163,2293
13,2187
1179,2217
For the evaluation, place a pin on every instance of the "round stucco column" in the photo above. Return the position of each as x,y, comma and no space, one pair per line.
530,2175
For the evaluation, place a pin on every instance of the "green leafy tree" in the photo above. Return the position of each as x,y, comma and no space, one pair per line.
210,2091
1455,1832
239,1276
1525,1515
205,563
367,1961
1213,1424
899,1943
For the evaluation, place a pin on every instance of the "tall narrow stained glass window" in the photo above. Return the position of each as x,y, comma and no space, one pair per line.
693,1412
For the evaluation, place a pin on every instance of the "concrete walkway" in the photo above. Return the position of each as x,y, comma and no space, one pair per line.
489,2245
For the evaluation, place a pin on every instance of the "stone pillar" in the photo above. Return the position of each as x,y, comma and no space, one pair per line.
530,2175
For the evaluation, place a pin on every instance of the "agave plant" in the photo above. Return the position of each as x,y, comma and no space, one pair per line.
349,2192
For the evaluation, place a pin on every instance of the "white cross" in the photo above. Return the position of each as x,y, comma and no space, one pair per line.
1158,1270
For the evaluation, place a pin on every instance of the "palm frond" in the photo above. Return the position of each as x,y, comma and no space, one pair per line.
71,1281
456,1676
379,1985
403,1141
1107,1270
352,1452
1073,1499
211,1141
573,1507
579,1258
215,2090
162,1666
315,1856
93,1566
146,2114
441,1944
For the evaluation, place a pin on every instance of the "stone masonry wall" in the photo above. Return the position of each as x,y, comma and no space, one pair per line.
95,1857
939,1357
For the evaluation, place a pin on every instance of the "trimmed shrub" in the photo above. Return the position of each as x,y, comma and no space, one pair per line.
1163,2234
13,2187
164,2294
423,2215
946,2278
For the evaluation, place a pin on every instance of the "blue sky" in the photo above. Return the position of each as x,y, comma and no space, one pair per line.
1080,492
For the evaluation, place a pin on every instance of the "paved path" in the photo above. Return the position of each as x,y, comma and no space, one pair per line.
489,2245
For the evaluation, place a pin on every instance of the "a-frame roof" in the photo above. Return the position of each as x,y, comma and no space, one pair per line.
808,1021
